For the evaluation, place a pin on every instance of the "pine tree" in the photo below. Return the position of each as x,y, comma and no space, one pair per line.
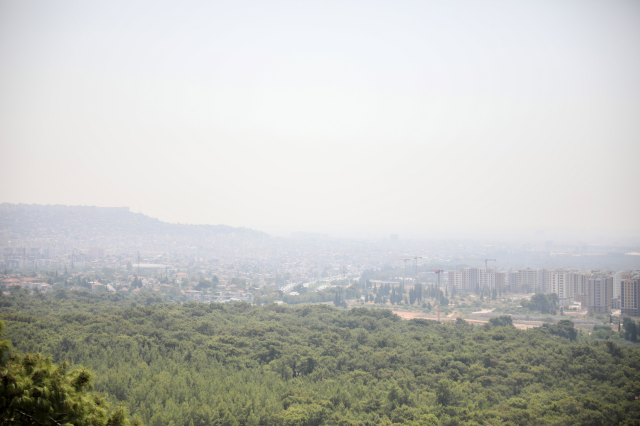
35,391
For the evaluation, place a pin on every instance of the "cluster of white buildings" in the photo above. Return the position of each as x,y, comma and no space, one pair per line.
50,257
599,291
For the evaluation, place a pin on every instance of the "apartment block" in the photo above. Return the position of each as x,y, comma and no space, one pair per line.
560,282
617,281
512,281
455,280
630,294
599,293
580,284
530,280
500,280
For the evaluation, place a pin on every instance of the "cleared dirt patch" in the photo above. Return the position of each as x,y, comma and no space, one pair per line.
410,315
484,311
406,315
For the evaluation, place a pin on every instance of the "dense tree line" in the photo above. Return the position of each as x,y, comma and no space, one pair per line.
239,364
331,294
383,294
36,391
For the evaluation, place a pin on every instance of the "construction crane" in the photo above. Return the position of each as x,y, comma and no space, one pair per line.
474,260
416,258
485,262
405,260
405,271
438,271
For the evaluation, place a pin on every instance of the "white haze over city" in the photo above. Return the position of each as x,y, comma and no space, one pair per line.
347,118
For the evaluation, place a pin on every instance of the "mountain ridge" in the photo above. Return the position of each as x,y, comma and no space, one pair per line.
41,221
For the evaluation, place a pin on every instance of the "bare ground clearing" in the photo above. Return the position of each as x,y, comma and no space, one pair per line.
406,315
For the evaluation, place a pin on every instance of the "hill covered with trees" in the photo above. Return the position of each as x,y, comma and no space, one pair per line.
87,222
238,364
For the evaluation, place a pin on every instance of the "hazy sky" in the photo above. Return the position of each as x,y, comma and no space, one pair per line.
375,116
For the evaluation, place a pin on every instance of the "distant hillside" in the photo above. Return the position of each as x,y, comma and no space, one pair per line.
42,221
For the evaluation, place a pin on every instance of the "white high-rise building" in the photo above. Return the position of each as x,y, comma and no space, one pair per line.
580,284
512,281
629,293
470,278
599,292
530,280
456,280
487,278
617,282
474,278
500,280
546,280
560,282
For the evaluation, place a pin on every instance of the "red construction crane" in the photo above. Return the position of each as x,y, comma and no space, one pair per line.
485,262
438,271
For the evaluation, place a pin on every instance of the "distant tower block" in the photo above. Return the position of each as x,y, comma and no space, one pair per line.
394,237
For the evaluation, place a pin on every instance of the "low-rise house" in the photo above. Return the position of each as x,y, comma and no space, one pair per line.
97,287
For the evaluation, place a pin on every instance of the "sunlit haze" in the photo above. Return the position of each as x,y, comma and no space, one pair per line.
359,118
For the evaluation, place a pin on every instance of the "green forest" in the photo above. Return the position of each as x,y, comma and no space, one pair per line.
237,364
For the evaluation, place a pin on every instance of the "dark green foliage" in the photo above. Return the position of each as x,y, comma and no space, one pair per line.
339,300
239,364
204,284
564,328
630,329
136,283
35,391
501,321
544,303
602,331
